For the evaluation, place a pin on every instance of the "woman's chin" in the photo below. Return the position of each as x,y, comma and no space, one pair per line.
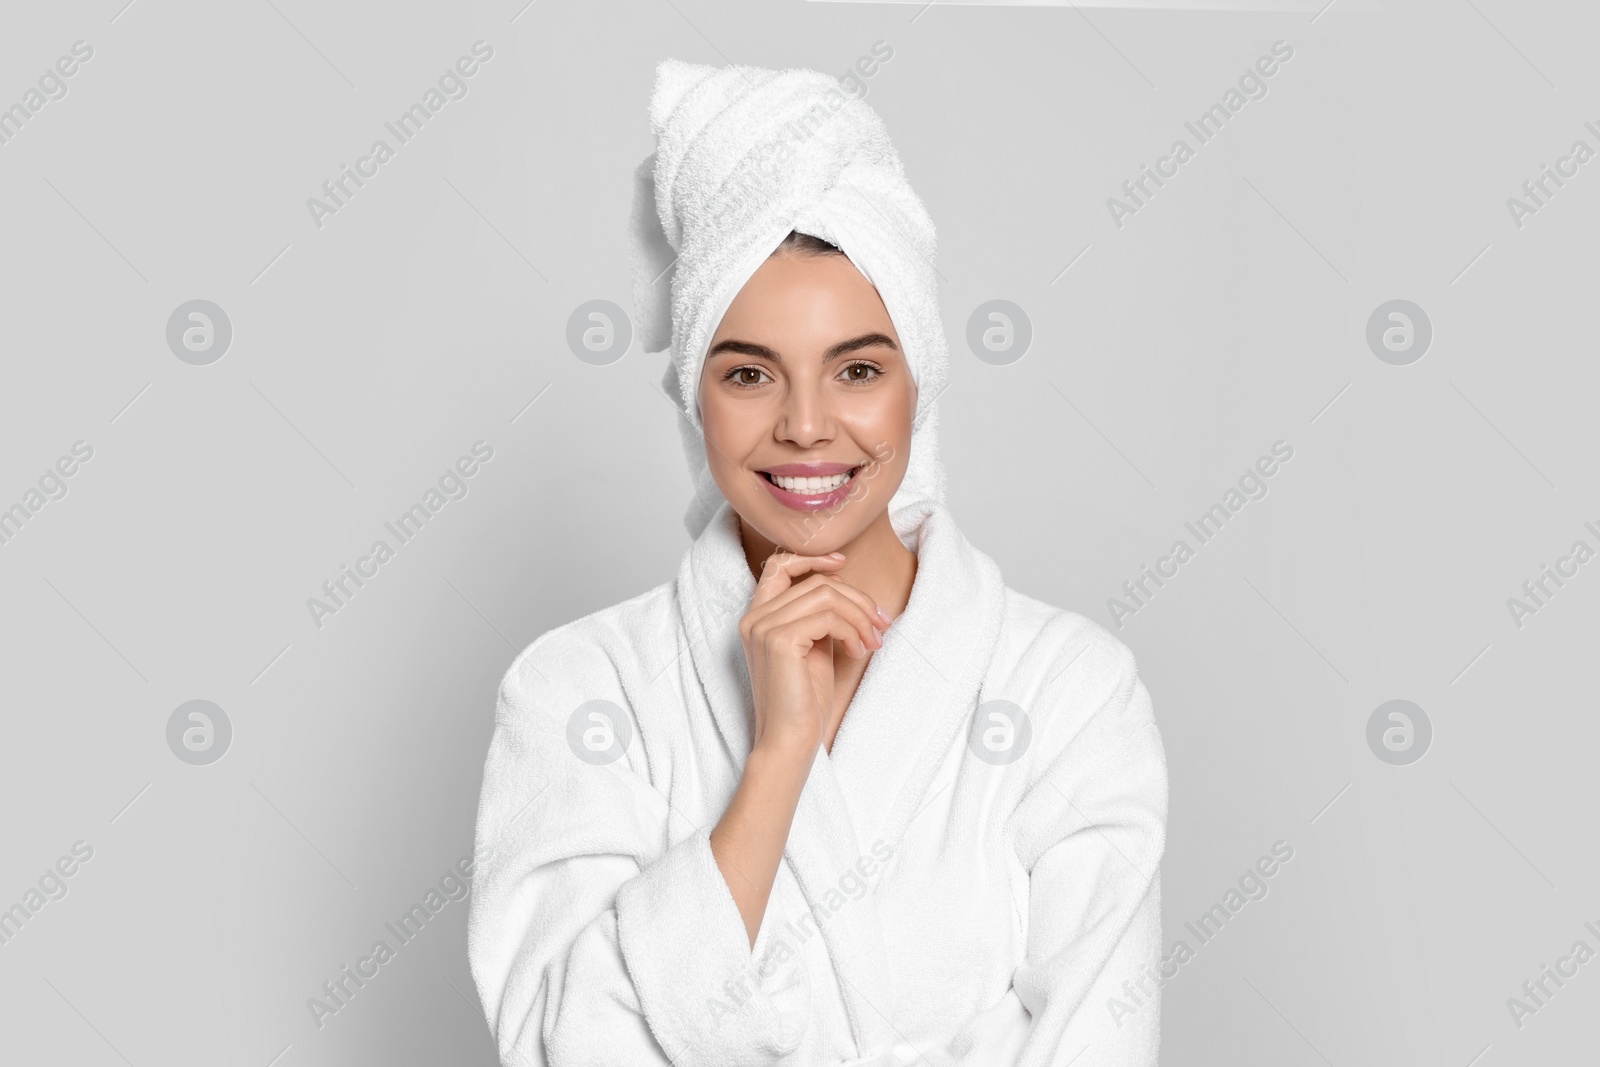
806,533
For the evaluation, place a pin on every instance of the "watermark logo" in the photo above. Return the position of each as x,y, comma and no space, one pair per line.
1399,332
598,732
1399,732
999,332
199,732
599,332
199,332
1000,732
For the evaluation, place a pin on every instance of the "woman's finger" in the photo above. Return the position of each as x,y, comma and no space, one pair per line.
782,569
812,627
825,600
876,617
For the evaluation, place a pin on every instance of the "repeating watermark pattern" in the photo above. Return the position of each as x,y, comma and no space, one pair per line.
999,332
853,885
199,732
1251,887
1538,592
1252,85
51,485
999,733
1399,332
1252,485
1538,191
1536,992
453,84
598,732
453,885
1399,732
52,886
51,85
599,332
199,332
453,484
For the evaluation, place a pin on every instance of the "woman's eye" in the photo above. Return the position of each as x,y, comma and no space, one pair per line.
851,376
746,377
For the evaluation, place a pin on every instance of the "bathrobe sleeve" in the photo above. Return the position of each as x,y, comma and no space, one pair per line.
592,937
1090,831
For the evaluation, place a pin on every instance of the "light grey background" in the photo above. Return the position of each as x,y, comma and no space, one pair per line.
429,313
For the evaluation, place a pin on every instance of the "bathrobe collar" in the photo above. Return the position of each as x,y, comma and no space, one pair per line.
919,690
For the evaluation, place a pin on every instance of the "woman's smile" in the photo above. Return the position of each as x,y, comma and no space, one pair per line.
810,486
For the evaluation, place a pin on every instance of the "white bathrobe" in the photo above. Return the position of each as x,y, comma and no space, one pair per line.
956,887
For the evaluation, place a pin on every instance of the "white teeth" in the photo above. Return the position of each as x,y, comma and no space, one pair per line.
811,486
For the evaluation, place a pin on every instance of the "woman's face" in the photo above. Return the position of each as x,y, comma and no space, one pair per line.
805,378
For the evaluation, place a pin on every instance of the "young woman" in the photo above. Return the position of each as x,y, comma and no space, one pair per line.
835,795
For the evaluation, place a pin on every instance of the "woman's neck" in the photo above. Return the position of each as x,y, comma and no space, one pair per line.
876,562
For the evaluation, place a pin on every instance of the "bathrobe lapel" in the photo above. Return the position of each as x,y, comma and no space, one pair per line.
917,693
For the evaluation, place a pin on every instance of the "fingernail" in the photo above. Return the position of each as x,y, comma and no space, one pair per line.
837,555
884,615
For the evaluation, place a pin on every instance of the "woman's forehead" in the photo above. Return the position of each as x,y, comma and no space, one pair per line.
797,296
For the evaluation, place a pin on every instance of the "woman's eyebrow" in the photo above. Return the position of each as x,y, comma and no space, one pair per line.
750,348
744,348
866,340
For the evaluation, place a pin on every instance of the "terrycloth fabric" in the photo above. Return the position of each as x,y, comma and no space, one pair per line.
743,156
936,905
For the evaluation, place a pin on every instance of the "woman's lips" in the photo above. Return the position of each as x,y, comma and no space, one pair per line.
810,487
815,469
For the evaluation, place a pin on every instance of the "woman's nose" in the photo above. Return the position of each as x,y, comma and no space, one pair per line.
806,418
